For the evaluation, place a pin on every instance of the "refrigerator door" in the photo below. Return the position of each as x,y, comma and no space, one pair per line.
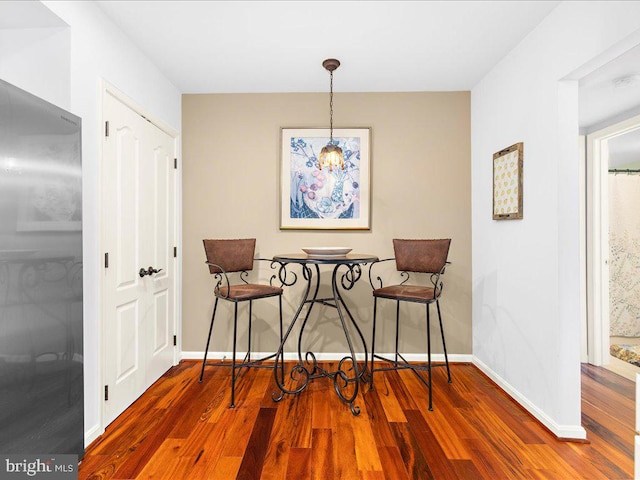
41,356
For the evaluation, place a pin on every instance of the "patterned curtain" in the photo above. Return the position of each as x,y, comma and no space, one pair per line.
624,259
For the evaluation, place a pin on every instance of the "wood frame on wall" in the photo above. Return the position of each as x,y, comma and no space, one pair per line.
507,182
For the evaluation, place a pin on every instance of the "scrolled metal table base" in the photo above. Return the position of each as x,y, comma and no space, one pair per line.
348,375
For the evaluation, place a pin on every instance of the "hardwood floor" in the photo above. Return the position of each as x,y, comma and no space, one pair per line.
182,429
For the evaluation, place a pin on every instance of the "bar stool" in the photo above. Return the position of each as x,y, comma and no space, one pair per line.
226,257
415,256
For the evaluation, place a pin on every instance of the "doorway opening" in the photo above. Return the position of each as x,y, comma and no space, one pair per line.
613,237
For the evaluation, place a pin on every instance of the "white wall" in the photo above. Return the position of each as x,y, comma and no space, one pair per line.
95,50
35,50
526,273
37,60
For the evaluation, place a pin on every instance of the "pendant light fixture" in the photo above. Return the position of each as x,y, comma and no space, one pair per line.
331,154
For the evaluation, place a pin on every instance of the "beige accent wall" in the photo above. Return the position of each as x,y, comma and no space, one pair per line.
421,188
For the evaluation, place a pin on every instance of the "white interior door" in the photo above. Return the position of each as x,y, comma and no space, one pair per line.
138,225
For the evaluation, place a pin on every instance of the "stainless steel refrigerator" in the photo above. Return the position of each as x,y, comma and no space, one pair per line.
41,355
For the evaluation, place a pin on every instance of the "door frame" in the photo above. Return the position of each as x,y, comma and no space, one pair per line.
597,188
107,89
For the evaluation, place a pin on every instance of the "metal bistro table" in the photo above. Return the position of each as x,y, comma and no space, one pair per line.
347,270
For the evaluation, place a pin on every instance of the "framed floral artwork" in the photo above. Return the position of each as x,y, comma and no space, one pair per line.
507,183
314,197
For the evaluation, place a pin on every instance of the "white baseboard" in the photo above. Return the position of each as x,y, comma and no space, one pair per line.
92,434
328,357
574,432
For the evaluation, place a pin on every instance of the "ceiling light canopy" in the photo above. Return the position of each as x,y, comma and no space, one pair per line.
627,81
331,155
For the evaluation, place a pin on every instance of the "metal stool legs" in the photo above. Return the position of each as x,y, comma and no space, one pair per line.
206,350
444,345
236,368
429,359
233,359
396,364
234,375
373,339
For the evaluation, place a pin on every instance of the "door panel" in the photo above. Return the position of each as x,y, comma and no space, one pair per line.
125,178
126,341
161,338
138,232
163,173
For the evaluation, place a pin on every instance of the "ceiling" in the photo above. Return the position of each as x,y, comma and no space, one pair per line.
384,46
279,46
610,95
16,14
612,90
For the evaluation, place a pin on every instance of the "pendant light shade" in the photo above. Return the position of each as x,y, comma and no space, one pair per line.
331,155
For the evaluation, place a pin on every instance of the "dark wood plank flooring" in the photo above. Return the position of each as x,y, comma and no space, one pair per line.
182,429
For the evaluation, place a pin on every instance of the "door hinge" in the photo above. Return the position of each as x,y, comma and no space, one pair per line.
175,252
106,392
175,163
106,128
175,340
106,260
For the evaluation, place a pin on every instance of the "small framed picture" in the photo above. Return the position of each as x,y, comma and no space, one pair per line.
315,198
507,183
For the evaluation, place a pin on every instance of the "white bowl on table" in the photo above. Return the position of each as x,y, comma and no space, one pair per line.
326,252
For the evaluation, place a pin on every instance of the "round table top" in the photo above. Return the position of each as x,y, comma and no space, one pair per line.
303,258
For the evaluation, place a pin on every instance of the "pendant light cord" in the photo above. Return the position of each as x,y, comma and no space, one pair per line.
331,107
